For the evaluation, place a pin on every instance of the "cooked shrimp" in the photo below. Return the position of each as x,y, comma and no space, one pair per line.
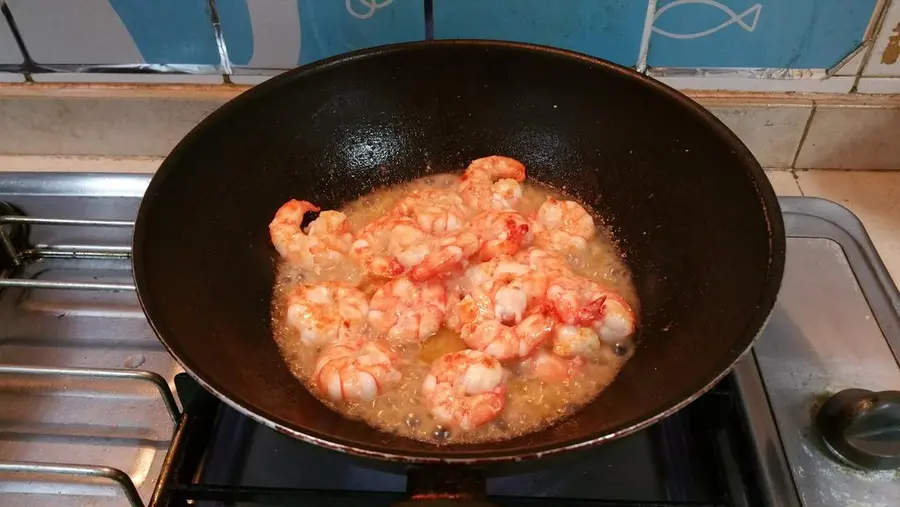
506,288
465,389
492,183
408,312
584,303
501,232
384,243
443,254
435,211
548,367
356,369
325,312
504,342
327,242
563,225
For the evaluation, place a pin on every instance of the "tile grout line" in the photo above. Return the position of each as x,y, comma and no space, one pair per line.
797,181
643,54
870,43
812,114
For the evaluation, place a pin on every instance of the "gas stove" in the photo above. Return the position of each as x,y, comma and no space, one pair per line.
93,411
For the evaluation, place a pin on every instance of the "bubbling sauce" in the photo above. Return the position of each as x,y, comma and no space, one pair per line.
531,404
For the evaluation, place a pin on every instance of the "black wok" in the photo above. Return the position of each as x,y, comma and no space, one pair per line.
695,216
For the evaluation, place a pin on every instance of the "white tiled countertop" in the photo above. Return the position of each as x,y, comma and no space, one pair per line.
874,196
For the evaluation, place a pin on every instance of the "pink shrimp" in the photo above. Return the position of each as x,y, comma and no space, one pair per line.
434,210
356,369
444,254
501,232
548,367
408,312
585,303
492,183
465,389
327,241
383,244
563,225
326,312
505,342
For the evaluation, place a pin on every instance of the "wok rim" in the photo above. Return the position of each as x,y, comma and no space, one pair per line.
448,454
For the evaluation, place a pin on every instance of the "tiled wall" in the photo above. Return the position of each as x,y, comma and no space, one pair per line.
769,45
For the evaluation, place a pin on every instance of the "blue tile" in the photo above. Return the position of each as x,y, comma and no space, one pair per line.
609,29
170,31
334,27
284,33
751,33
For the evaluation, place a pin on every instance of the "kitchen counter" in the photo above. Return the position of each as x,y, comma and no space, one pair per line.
874,196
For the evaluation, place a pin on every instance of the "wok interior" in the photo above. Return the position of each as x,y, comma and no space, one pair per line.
690,207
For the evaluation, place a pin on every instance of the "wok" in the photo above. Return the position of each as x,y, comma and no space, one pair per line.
694,215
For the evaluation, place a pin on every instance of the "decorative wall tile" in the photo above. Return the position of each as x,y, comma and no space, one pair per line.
814,34
771,132
609,29
117,31
885,57
841,137
9,49
280,34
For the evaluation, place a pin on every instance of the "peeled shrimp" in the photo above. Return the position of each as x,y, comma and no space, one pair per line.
584,303
504,342
326,312
408,312
563,225
549,367
492,183
435,211
326,243
443,254
501,232
386,243
356,369
465,389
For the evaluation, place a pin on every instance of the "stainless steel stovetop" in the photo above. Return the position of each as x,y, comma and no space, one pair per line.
87,410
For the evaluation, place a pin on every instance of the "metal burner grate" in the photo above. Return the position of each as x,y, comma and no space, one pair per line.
17,254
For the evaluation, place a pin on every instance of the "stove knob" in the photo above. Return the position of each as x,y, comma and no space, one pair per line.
862,428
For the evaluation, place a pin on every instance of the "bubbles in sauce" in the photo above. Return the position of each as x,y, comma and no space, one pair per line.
531,404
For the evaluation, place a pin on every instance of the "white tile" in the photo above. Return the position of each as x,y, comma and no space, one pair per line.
9,77
9,48
879,85
40,163
101,126
836,84
86,31
851,65
783,182
873,196
108,77
885,57
771,132
251,80
852,138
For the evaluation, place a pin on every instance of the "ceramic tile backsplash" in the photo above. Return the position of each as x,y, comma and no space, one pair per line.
9,49
771,132
610,29
281,34
814,34
885,58
842,137
175,32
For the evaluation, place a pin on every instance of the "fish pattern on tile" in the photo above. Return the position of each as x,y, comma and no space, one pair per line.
798,34
280,34
117,32
609,29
